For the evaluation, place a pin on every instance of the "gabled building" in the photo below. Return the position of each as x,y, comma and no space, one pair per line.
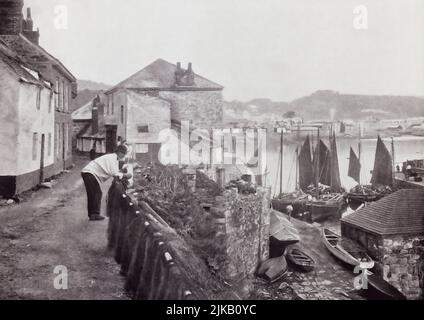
20,42
158,97
392,231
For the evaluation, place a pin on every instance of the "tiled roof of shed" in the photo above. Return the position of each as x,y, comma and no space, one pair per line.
401,212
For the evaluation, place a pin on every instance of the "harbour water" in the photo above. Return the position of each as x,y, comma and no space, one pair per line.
405,147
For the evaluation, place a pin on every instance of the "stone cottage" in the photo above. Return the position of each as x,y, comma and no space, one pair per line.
392,231
159,97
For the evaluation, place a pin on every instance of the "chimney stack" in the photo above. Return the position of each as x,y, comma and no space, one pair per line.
95,116
11,17
28,29
29,22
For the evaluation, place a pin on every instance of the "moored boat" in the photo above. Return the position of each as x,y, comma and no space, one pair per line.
300,259
318,192
382,290
273,269
346,250
382,175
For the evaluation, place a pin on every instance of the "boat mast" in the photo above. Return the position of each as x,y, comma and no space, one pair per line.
317,169
281,157
297,158
393,155
359,151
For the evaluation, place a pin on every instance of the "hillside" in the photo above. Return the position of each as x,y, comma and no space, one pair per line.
87,91
323,105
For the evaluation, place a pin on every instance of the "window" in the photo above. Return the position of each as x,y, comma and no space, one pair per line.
69,97
143,129
141,148
38,97
113,105
65,97
64,107
57,140
122,114
60,96
50,101
56,95
34,145
49,145
66,138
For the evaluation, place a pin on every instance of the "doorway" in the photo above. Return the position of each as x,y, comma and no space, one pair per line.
43,138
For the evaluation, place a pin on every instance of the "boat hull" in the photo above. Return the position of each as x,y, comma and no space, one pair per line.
300,260
380,289
333,242
312,211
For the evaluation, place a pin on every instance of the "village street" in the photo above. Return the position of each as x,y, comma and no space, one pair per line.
48,229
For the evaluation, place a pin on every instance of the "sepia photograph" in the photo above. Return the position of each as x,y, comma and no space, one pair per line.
236,151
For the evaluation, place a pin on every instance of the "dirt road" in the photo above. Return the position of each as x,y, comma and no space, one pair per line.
50,228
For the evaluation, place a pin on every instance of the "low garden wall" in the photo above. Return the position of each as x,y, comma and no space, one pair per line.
157,263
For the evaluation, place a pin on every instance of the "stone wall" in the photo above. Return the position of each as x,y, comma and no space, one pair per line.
204,109
399,259
403,264
157,263
247,232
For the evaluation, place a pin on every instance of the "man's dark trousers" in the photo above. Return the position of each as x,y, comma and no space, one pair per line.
94,194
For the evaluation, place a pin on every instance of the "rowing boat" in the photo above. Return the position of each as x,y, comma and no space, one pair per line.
346,250
300,259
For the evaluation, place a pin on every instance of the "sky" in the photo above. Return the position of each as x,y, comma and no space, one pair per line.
276,49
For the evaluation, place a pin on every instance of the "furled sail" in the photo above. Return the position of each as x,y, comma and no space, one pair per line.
354,166
306,171
335,183
382,173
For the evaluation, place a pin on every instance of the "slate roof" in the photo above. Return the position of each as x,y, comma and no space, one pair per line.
34,54
84,113
399,213
161,75
21,69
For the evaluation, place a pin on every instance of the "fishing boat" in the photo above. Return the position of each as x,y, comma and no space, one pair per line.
346,250
273,269
297,199
318,192
382,175
381,289
300,259
330,201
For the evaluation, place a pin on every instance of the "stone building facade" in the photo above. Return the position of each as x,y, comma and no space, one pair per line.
160,96
392,231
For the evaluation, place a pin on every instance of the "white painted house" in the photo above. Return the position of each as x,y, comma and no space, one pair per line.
27,122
